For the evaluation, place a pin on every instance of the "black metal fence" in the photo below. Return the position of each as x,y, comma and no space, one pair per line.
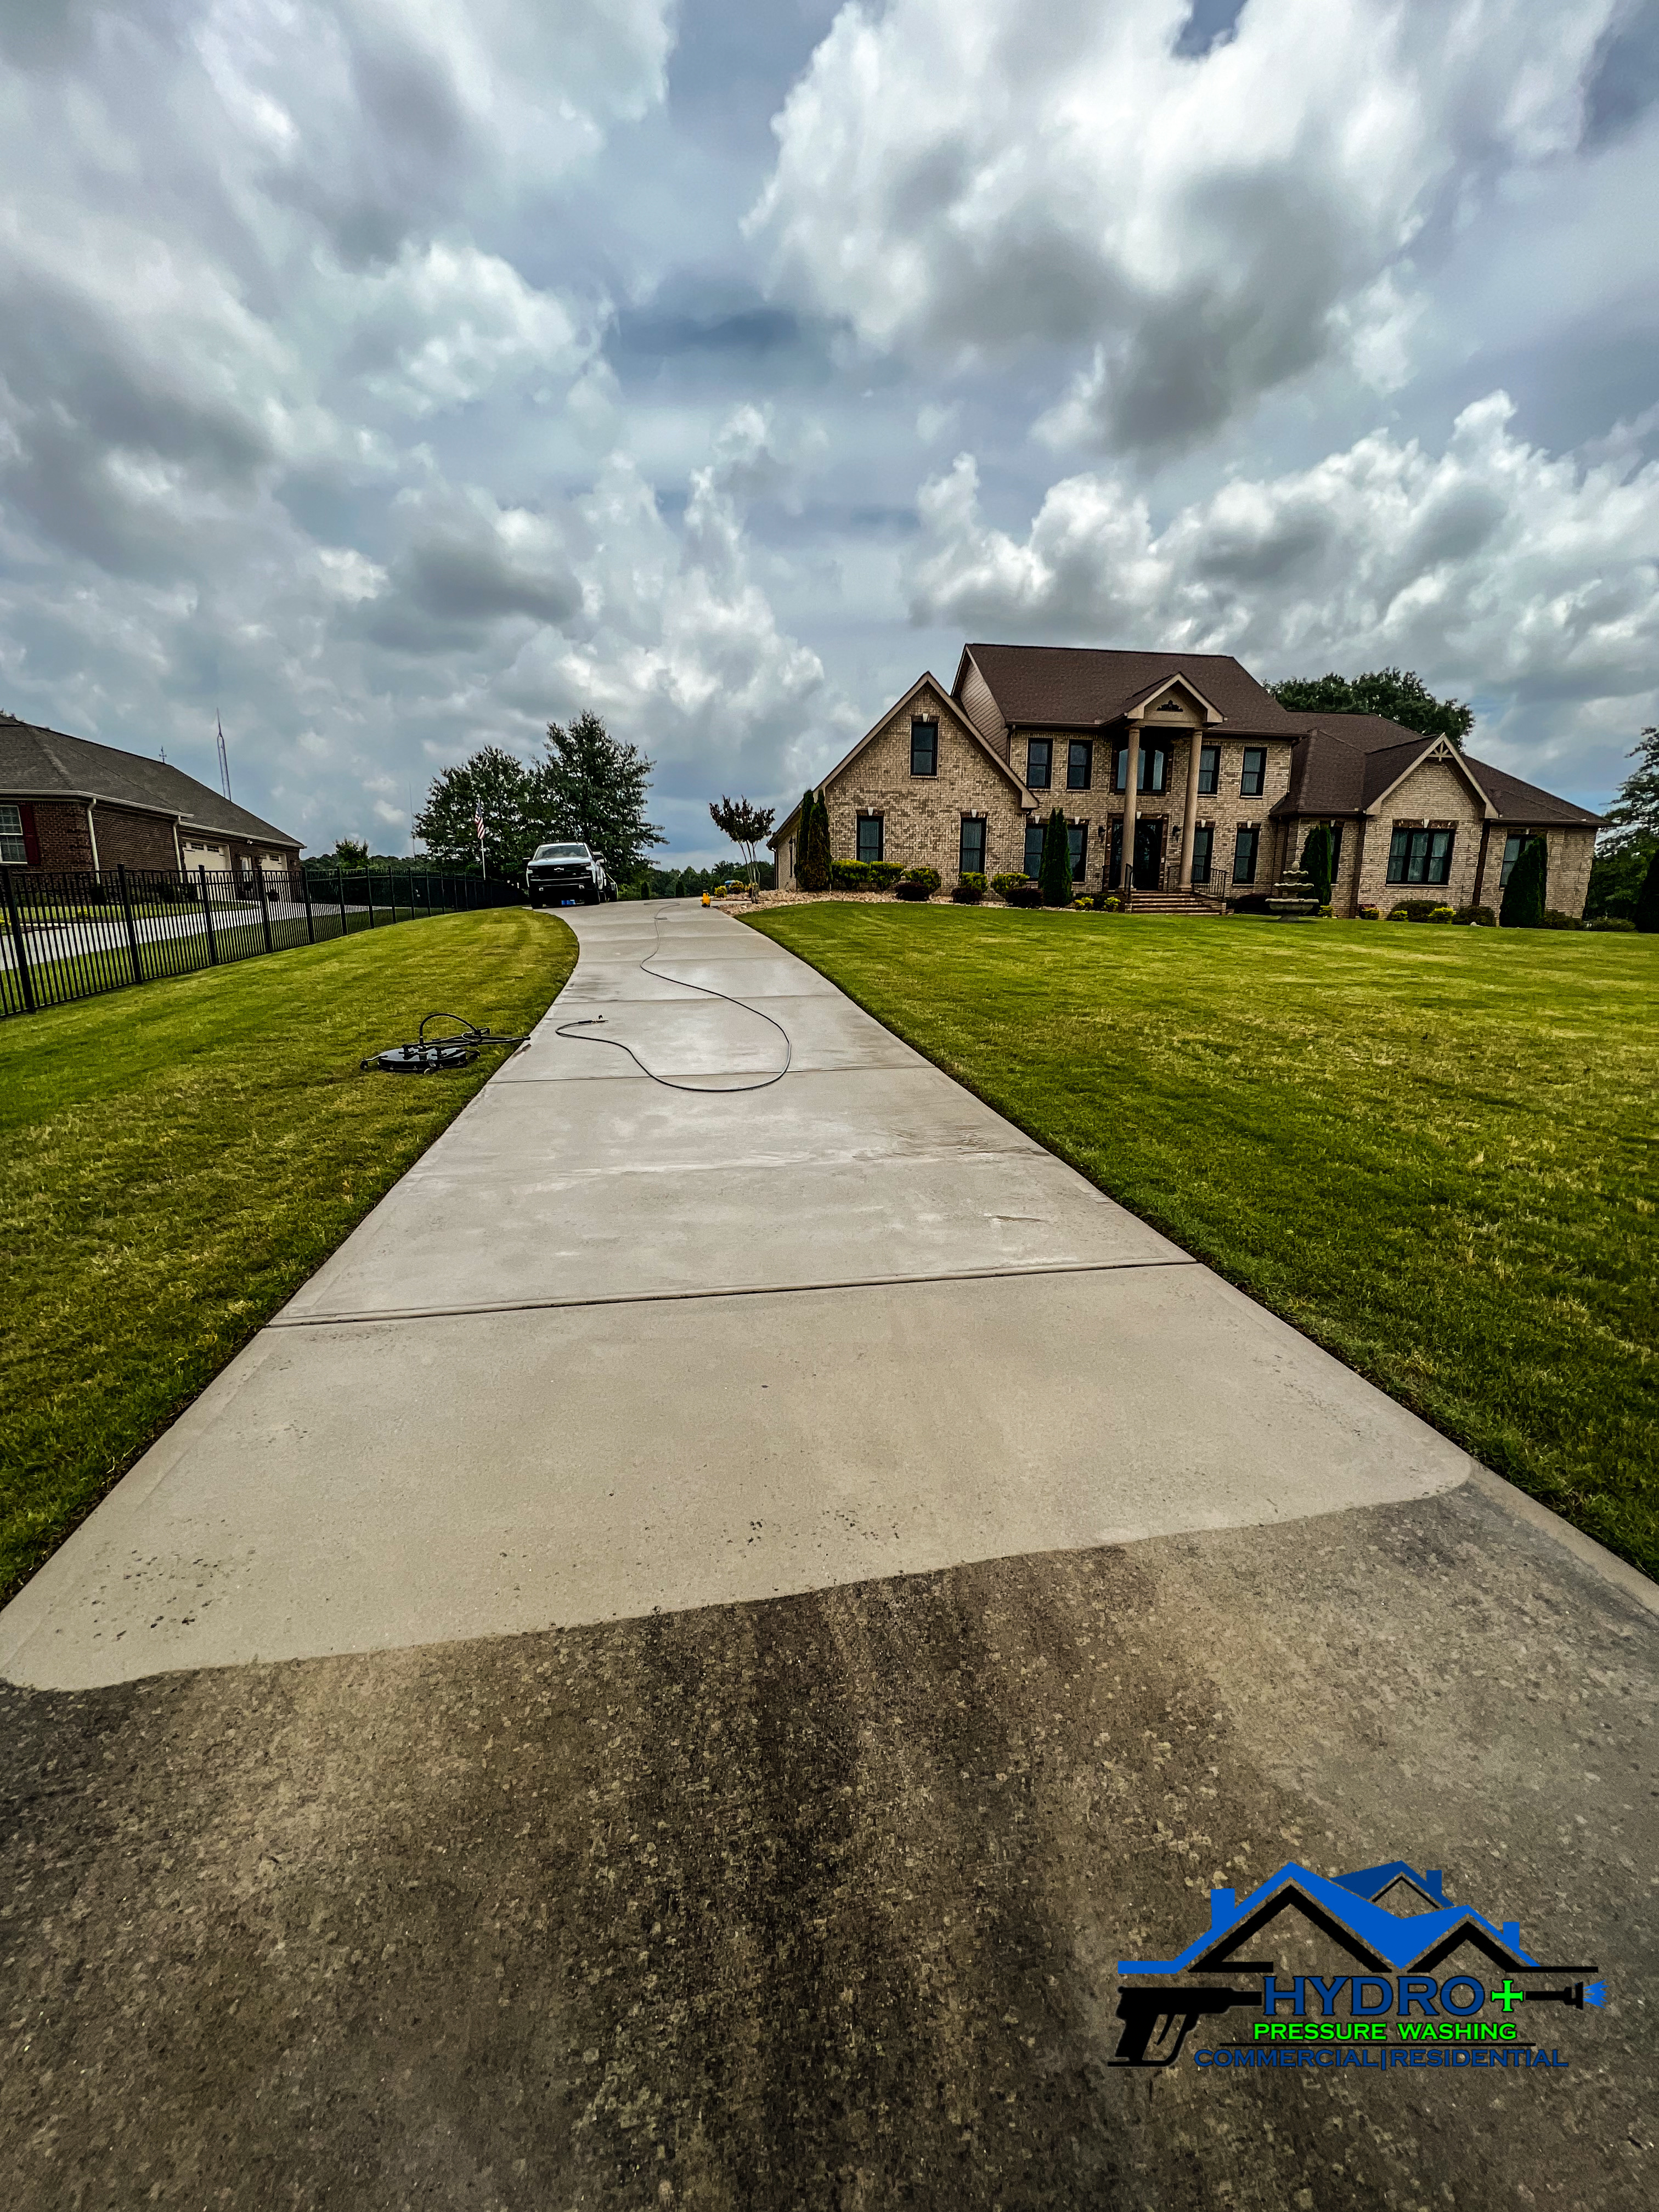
74,935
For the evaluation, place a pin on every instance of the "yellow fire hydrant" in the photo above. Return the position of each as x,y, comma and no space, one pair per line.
705,898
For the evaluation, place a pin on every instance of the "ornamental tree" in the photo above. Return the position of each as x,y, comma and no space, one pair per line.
1054,868
1525,893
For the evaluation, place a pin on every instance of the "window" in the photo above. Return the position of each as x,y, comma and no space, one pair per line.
1209,769
870,827
971,856
1033,848
923,748
1245,846
1512,845
1040,763
1255,772
1203,845
1153,774
1077,836
13,852
1080,764
1421,856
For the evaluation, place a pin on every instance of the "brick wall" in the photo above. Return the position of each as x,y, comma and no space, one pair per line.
60,832
134,840
922,815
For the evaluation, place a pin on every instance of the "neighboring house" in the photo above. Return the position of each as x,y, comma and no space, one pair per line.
1185,764
68,804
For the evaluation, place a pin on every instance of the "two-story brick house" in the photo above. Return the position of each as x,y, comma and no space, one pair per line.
68,804
1183,783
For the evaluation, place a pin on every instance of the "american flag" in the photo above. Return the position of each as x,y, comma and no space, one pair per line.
478,820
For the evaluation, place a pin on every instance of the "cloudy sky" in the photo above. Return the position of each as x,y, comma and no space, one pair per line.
394,375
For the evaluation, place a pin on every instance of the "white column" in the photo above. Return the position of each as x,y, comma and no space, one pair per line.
1131,782
1194,739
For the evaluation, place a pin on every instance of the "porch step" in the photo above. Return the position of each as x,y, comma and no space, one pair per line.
1173,902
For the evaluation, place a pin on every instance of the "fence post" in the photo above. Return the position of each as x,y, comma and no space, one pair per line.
369,879
132,927
18,946
264,910
339,886
305,888
207,916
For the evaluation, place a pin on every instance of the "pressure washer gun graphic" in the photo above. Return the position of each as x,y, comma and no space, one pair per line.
1150,2015
1576,1994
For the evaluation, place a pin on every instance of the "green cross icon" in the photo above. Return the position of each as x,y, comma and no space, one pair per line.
1507,1997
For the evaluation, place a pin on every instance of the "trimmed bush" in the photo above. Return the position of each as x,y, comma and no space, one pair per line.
929,879
1441,914
1619,921
1646,916
1112,904
1554,920
906,890
1054,870
1084,905
1316,862
849,875
1523,906
1003,884
1481,916
883,874
970,888
1369,912
1026,894
1399,913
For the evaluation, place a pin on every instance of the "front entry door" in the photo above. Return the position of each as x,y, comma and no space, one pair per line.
1149,855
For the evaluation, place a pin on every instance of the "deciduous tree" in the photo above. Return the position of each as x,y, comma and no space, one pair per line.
1398,695
512,799
745,825
594,789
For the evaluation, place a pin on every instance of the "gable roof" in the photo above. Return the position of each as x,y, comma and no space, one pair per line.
958,716
1345,763
1081,687
1379,1938
36,762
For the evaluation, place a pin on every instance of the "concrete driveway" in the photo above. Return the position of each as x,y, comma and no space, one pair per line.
673,1670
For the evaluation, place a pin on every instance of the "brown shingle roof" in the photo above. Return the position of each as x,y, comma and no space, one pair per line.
1342,764
1084,687
36,762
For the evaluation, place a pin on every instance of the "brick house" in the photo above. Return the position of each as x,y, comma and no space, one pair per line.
68,804
1187,766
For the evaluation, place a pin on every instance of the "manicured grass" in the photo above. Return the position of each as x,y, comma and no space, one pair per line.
1434,1149
180,1157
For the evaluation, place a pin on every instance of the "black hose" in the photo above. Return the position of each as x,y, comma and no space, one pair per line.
698,1090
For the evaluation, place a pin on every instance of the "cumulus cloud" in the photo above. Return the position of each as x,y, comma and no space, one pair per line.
1527,580
970,176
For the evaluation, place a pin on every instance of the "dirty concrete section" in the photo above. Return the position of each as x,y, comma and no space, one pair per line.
818,1900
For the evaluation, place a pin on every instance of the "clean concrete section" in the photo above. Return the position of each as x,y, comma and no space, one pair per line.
612,1348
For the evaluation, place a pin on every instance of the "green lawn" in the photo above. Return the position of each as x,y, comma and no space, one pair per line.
180,1157
1433,1150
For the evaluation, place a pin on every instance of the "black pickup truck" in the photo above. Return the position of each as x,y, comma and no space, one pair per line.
566,875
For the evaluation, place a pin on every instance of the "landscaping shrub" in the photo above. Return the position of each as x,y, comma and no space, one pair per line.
1084,905
1619,921
1112,904
1370,913
813,862
1054,870
1421,909
1003,884
1646,916
1441,914
906,890
1523,906
1554,920
1316,862
929,879
1399,913
883,874
970,888
1325,911
849,875
1482,916
1024,894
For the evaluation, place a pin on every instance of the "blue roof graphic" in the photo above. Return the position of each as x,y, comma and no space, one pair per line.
1400,1941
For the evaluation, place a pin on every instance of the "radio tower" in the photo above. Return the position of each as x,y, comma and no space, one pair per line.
224,759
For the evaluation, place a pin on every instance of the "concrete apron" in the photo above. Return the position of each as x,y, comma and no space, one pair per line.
611,1348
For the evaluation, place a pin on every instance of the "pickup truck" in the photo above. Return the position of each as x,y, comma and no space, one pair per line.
566,875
